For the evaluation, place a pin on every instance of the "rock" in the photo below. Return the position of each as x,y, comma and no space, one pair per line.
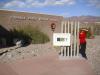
9,55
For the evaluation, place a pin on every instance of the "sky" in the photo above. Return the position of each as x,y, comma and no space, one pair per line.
66,8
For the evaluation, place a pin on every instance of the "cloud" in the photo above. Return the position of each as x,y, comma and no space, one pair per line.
15,3
62,2
95,3
37,3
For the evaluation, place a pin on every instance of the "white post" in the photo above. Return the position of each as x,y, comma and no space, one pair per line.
78,39
65,27
65,46
62,28
65,51
68,47
61,51
71,38
75,39
68,26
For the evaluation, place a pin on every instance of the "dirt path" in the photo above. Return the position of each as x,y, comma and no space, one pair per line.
47,65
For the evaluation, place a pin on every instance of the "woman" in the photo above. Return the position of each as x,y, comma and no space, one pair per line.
82,37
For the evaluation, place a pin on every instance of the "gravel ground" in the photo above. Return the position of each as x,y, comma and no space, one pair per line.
13,54
93,53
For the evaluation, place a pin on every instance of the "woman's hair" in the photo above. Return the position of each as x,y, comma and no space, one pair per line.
83,29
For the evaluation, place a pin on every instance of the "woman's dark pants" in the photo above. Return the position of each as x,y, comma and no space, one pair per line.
82,50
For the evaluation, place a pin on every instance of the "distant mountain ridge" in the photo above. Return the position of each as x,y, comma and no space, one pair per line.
85,18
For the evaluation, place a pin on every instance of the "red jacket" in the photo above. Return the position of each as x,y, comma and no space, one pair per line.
82,37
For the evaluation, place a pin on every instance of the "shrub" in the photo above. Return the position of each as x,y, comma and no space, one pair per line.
29,33
36,35
88,34
19,34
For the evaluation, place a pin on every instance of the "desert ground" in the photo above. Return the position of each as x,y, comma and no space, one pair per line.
16,54
93,53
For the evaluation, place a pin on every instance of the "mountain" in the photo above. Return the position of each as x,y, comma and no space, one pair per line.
90,19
